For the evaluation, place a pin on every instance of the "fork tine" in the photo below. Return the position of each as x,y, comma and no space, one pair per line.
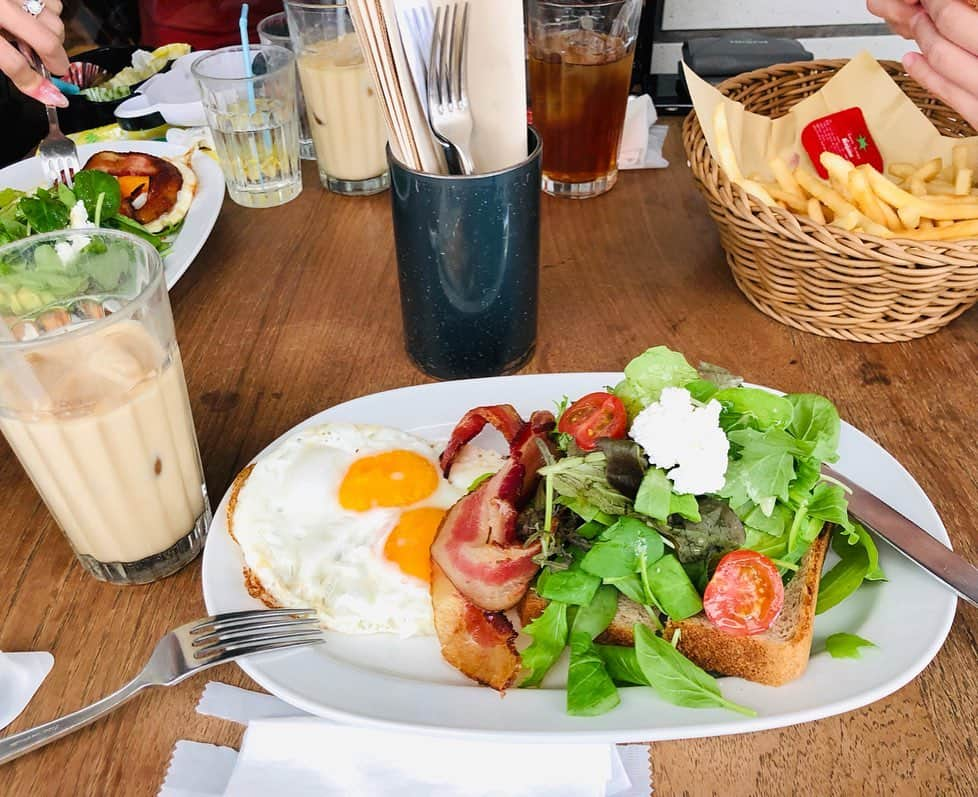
250,648
253,640
241,632
451,14
434,69
231,619
461,65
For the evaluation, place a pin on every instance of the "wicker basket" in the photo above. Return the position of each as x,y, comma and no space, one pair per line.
820,278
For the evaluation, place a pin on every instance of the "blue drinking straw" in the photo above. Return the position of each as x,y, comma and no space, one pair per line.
246,54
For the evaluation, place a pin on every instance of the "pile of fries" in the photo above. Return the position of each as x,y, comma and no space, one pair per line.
923,202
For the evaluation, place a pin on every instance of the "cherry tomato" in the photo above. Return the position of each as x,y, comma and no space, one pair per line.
592,417
745,594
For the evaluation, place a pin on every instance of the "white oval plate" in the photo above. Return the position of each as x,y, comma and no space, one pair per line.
383,681
26,175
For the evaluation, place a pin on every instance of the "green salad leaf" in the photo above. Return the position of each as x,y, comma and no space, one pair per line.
572,585
672,588
675,678
43,212
598,614
584,478
590,690
656,498
846,646
90,184
857,562
650,372
618,549
549,633
621,663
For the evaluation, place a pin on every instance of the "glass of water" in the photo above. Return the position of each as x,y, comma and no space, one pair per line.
254,121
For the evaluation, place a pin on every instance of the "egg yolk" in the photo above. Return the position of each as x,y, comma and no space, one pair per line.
409,544
394,478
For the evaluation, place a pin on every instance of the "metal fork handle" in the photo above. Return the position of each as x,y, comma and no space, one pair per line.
24,742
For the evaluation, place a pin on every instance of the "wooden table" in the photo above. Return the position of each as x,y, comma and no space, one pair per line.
290,310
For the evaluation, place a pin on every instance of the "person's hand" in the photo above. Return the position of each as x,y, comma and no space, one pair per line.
947,65
45,35
895,13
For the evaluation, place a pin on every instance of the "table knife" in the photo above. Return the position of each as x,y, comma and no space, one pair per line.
910,539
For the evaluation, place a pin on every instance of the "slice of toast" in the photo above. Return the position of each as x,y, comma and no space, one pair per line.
774,657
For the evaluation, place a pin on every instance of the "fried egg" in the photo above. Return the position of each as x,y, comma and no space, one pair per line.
340,518
184,198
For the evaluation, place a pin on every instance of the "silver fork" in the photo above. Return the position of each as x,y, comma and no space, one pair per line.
58,153
181,653
448,94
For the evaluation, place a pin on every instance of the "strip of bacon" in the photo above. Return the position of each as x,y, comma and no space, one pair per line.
503,416
477,545
479,644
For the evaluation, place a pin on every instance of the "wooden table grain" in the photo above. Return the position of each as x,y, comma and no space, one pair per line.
290,310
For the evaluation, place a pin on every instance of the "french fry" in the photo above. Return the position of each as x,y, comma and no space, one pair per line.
926,224
785,178
795,202
815,211
727,158
961,229
917,206
929,169
839,205
847,221
962,182
839,170
901,170
917,185
945,223
959,157
865,199
947,174
940,188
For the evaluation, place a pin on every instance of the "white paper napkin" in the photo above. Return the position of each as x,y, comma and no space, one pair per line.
21,674
288,751
642,139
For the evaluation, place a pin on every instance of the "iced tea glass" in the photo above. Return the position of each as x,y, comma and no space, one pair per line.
93,401
580,66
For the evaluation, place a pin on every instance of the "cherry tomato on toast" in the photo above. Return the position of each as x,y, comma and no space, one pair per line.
745,595
594,416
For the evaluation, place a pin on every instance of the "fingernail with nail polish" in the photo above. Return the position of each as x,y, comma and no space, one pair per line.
49,94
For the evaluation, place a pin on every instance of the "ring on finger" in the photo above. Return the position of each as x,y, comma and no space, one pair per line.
33,7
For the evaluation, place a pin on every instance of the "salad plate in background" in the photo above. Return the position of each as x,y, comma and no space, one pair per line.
386,681
180,245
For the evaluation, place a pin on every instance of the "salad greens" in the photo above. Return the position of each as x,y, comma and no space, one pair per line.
26,288
846,646
614,525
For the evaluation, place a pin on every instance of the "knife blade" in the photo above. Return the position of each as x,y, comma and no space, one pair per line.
910,539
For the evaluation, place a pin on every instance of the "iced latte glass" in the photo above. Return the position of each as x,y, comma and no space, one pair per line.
94,403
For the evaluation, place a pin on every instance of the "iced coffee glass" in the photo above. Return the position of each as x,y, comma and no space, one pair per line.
93,401
580,65
345,118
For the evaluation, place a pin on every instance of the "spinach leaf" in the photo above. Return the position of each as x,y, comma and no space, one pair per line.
816,420
719,530
622,664
657,500
845,576
8,196
598,614
89,184
702,390
590,530
590,690
630,586
763,409
673,591
618,549
650,372
675,678
43,213
568,586
625,465
846,646
549,632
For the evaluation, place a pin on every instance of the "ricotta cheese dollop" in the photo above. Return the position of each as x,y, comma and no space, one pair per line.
684,436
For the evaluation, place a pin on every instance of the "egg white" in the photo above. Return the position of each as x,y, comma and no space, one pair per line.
309,551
